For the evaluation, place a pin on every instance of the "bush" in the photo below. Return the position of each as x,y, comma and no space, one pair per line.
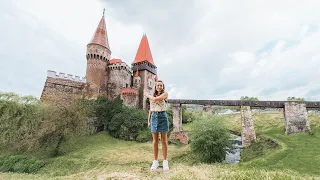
187,116
170,118
128,124
105,110
144,136
28,125
19,119
60,123
210,139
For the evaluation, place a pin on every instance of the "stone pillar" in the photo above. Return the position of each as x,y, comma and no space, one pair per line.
296,118
248,133
177,132
177,117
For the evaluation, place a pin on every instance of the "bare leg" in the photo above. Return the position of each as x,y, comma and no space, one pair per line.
164,145
155,145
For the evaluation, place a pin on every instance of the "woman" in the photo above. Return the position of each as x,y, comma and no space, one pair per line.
158,122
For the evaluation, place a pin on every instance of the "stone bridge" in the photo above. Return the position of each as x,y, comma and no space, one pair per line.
295,115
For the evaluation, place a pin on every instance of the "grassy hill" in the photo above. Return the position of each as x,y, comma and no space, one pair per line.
102,157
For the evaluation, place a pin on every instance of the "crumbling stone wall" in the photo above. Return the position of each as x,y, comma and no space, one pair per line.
177,117
61,91
248,133
296,118
130,99
182,136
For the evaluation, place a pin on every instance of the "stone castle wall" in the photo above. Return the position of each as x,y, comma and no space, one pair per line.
62,88
119,76
97,59
147,84
96,51
130,97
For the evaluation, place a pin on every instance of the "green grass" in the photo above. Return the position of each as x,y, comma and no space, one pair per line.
299,153
102,157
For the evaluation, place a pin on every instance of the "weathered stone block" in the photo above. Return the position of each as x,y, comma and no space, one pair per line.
182,136
248,133
177,117
296,118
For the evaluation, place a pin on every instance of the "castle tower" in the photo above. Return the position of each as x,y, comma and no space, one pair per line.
144,66
98,55
136,80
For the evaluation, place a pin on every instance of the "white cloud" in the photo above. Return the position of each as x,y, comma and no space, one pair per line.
203,49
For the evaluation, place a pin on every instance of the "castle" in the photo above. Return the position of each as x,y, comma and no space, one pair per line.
106,76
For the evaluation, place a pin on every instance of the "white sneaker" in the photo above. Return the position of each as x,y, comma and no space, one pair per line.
165,165
155,165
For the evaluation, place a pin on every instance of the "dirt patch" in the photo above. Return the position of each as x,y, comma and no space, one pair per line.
117,175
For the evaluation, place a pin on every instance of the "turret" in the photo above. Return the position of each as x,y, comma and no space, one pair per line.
136,80
143,59
119,76
98,55
144,66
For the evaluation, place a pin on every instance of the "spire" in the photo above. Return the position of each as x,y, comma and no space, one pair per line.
144,52
136,74
100,36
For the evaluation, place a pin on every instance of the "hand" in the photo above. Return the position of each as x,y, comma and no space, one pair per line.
148,124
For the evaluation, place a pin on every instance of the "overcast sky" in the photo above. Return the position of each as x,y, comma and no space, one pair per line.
204,49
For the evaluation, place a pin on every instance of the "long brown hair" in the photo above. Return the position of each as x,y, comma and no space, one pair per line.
155,92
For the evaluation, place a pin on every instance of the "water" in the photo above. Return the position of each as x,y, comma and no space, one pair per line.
233,157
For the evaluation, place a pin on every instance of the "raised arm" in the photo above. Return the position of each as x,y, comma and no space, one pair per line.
158,98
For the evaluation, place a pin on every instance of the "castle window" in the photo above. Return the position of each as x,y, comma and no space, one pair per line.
126,85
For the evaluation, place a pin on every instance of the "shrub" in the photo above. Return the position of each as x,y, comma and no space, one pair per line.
105,110
27,124
144,136
19,119
210,139
62,122
187,116
128,124
170,118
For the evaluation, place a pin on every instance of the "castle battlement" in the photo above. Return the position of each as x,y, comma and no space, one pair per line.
53,74
127,91
120,65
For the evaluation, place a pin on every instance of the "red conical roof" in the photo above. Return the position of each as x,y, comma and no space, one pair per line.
144,52
136,74
100,36
113,61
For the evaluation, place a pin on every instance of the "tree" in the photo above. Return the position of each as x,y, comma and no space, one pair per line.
210,139
295,99
249,98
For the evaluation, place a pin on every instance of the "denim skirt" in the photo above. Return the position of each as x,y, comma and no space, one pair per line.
159,122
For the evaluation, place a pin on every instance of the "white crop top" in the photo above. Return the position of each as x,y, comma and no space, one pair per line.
158,106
